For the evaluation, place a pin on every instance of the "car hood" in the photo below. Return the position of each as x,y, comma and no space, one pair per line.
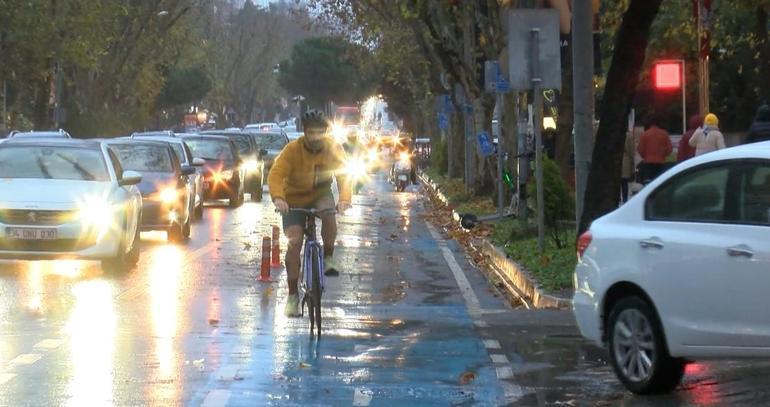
152,181
48,193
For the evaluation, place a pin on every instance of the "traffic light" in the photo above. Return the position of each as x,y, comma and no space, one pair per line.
667,75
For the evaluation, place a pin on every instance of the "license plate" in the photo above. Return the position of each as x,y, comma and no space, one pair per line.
31,233
402,178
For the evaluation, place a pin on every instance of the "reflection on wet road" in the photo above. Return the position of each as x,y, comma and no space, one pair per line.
191,325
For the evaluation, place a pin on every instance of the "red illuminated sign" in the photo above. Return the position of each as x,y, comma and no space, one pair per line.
668,75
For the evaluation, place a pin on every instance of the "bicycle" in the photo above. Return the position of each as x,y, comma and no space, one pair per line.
311,271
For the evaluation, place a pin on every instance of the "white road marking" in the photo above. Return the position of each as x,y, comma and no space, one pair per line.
25,359
216,398
481,324
505,372
362,397
491,344
471,300
48,344
6,377
499,358
512,392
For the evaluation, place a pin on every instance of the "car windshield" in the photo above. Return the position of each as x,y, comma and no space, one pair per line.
43,162
269,141
143,158
210,149
242,142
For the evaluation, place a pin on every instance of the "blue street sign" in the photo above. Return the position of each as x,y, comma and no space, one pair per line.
485,144
447,104
502,86
443,121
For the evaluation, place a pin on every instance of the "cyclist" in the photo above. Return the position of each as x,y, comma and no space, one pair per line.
301,177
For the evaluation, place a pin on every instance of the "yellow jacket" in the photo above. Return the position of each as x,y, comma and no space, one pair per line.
300,177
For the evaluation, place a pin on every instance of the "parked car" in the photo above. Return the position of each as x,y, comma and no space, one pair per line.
271,144
680,272
168,200
39,134
253,164
223,173
64,198
267,126
294,135
185,157
152,133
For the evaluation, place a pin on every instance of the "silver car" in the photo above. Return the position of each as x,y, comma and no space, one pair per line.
63,198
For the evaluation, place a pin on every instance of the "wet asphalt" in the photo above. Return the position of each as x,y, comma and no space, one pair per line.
409,322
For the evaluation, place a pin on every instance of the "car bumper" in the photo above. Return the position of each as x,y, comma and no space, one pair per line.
71,243
218,190
158,216
586,305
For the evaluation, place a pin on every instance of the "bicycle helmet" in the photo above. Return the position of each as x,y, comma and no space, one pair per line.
314,119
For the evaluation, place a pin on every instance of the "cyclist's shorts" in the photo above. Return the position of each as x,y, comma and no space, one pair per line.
298,219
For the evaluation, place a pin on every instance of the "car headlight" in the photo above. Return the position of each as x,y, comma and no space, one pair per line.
355,168
168,195
96,214
404,157
220,176
251,165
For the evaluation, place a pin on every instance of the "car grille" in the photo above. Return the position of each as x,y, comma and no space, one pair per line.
35,217
59,245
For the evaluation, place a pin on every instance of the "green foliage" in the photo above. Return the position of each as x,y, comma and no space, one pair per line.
559,204
183,87
554,268
326,69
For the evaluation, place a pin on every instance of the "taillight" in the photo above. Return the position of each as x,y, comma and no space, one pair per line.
583,242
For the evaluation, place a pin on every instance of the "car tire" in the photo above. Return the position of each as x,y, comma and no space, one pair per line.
122,260
638,351
186,229
256,193
198,212
175,234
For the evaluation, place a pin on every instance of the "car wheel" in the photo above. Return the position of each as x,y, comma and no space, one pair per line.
175,234
638,350
122,260
198,212
256,194
133,255
186,229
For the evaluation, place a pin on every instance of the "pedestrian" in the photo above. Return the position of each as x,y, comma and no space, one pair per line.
627,171
760,129
685,150
708,138
654,148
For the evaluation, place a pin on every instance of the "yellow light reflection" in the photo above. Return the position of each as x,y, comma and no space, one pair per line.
33,285
165,278
91,330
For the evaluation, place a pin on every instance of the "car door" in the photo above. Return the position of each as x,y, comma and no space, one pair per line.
679,253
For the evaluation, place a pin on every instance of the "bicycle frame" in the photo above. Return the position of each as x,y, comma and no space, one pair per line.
312,250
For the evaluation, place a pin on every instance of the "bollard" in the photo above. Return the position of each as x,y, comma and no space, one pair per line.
276,255
264,273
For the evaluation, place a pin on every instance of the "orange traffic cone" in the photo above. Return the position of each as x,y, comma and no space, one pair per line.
276,255
264,274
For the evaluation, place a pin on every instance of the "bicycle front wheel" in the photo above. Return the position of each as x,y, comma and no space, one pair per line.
315,300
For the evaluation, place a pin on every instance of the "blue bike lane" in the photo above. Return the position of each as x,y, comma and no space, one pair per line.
400,325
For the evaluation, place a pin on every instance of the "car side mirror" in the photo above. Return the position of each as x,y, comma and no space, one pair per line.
198,162
188,170
130,178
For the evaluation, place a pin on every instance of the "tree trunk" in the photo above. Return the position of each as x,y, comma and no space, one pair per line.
764,55
601,194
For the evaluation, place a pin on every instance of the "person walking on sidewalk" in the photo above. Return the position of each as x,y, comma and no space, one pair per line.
685,150
627,171
301,177
708,138
654,147
760,129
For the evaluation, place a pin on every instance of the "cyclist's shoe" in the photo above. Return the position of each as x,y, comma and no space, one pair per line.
330,268
292,306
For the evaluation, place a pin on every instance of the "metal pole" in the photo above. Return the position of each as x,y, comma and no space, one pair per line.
538,123
500,185
523,158
583,67
684,98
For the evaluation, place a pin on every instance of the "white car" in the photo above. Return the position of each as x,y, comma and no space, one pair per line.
267,126
68,199
682,271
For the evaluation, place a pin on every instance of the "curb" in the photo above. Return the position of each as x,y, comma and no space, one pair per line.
514,273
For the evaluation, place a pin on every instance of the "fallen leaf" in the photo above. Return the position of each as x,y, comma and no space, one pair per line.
304,365
393,237
467,377
246,246
213,321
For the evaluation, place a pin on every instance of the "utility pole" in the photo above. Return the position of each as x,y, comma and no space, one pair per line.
583,85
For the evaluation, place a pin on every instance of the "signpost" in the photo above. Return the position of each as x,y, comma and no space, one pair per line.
535,63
